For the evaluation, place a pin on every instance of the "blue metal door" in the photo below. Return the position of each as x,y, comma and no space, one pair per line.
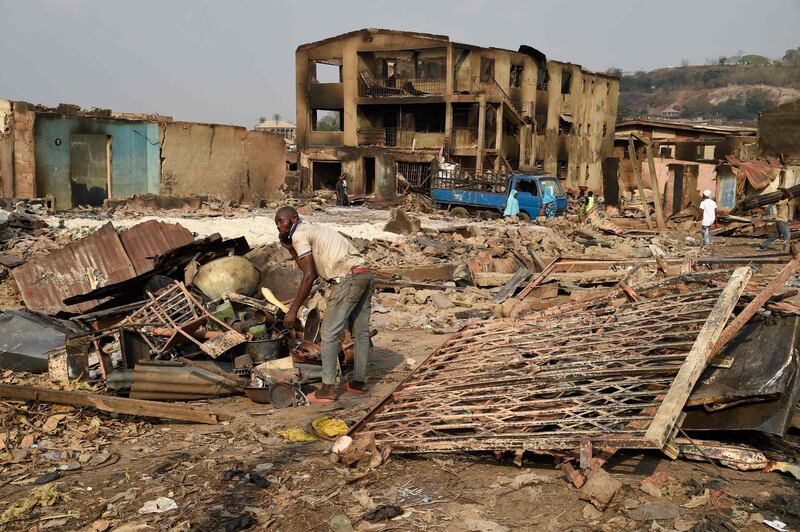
727,191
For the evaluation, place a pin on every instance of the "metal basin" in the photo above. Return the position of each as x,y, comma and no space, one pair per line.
263,350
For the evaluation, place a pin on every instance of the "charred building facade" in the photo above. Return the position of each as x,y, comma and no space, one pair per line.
374,103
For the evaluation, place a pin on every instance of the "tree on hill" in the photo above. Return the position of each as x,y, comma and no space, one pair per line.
754,59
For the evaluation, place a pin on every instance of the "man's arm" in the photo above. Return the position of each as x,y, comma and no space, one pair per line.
309,269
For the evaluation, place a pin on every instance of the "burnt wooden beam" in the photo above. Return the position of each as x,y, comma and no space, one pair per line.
107,403
672,406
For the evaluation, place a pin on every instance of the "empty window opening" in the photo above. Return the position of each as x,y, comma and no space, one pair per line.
539,165
369,175
431,68
542,77
528,187
487,69
605,129
325,72
418,175
325,174
515,76
326,120
665,151
565,126
423,118
541,124
562,170
566,80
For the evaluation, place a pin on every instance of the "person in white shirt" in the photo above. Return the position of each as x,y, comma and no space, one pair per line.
709,208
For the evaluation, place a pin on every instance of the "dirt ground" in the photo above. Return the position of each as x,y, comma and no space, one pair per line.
200,467
85,470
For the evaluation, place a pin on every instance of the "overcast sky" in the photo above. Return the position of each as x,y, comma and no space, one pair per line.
231,61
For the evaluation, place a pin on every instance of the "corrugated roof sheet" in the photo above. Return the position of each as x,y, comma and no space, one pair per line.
151,238
759,173
100,259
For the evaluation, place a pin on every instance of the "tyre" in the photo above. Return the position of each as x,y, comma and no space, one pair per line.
459,212
524,216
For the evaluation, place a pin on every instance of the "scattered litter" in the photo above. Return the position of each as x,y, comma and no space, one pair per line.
776,525
296,434
42,496
699,500
158,506
327,427
383,512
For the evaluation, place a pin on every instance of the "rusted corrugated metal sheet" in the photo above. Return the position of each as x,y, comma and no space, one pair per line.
759,173
99,259
152,238
75,269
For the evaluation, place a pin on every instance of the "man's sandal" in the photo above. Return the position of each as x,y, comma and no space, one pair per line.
312,398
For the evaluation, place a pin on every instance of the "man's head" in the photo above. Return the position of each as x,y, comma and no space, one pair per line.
591,193
706,193
285,218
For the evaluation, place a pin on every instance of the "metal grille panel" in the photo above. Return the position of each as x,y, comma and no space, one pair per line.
595,374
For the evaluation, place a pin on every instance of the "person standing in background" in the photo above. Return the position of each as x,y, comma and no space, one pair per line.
709,208
781,224
512,204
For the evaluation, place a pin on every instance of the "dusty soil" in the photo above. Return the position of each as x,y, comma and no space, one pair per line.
190,464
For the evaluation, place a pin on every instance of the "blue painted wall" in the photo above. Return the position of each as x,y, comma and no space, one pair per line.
135,155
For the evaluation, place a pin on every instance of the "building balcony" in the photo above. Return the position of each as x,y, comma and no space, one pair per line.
370,87
464,138
393,137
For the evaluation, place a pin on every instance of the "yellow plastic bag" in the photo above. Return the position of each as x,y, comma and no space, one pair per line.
328,427
297,434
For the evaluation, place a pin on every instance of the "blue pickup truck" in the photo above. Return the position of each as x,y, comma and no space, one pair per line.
462,195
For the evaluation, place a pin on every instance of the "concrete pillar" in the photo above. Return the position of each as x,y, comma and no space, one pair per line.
530,136
481,133
499,137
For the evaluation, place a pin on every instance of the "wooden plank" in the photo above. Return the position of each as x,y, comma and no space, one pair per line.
670,410
119,405
749,311
662,226
511,286
538,279
577,478
638,173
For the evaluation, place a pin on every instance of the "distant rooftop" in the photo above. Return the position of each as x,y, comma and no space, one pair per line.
686,126
283,124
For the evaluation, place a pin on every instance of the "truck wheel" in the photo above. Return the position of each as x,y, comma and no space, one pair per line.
459,212
524,216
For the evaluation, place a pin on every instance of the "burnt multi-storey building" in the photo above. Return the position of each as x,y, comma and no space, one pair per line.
374,103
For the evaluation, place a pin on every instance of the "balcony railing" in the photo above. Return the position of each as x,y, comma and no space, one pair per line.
370,87
393,137
465,137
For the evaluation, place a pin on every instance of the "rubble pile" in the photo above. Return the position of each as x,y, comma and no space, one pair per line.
570,340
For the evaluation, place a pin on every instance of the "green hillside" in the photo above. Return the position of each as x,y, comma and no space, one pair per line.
733,89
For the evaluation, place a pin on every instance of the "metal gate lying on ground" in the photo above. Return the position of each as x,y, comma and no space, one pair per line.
613,376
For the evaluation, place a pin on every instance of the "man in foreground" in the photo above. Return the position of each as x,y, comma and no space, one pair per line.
320,251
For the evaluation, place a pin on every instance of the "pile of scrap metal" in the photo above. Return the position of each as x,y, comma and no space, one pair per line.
634,368
156,315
